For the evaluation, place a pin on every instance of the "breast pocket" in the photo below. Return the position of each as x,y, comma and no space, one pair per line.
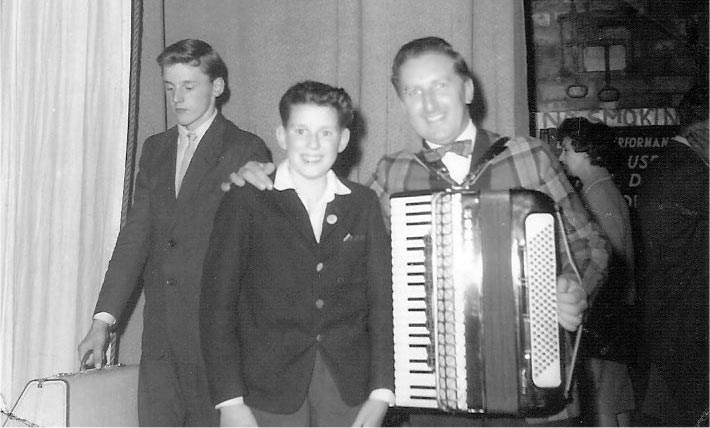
353,262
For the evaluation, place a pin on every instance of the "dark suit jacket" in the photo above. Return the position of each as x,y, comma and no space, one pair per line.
673,226
272,296
166,238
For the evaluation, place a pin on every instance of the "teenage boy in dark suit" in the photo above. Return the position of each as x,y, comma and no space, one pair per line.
296,307
166,235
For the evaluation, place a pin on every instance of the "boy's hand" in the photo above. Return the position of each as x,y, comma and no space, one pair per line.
571,303
91,349
371,413
236,415
254,173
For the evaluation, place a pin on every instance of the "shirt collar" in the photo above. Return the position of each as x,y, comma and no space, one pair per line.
200,130
284,181
469,133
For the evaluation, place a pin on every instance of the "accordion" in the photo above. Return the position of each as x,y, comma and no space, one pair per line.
474,302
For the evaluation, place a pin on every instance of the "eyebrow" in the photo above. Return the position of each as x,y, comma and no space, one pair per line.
180,82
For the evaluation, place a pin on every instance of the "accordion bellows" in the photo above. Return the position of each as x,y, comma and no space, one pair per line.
474,302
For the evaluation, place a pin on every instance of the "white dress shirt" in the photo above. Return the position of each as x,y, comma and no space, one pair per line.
458,165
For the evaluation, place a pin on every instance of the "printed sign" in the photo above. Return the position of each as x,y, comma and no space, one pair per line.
641,146
622,117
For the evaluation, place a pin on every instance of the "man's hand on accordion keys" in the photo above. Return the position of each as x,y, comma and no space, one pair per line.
571,303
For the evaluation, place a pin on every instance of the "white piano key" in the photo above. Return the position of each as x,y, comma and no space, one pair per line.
418,403
417,340
413,318
412,379
416,393
418,367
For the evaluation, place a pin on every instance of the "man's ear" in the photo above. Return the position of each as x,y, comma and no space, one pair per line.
468,90
217,87
281,136
344,140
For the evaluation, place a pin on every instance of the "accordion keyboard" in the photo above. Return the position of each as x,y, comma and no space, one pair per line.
474,302
415,380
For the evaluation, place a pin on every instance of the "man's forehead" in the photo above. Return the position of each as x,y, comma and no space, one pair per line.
184,71
427,63
312,114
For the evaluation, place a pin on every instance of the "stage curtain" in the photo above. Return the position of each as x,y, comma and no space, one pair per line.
270,44
64,74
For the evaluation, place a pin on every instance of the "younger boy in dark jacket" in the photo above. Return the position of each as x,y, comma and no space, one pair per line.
296,304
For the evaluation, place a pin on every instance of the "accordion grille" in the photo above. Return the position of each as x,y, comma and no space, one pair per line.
541,271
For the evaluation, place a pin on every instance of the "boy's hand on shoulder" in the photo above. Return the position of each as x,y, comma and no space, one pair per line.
236,415
371,413
254,173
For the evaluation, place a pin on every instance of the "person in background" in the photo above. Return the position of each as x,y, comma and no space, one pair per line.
435,86
589,154
166,235
296,308
673,218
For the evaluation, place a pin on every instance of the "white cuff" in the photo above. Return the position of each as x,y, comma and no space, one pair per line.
105,317
383,394
231,402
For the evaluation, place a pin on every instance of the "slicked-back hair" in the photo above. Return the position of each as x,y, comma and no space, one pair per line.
199,54
321,94
423,46
597,140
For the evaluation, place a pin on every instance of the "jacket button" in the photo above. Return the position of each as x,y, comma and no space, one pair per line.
170,282
319,267
319,338
319,303
171,243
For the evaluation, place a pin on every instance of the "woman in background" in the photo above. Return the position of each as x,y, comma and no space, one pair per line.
590,153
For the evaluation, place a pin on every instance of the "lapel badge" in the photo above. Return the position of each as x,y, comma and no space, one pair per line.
331,219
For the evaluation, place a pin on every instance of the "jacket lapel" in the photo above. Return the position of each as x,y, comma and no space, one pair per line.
480,147
165,172
337,216
290,205
205,159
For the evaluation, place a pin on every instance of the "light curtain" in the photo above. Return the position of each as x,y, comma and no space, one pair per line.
64,74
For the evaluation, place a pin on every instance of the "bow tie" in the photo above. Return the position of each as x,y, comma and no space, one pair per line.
461,148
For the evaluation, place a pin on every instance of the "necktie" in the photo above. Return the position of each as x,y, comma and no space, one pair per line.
186,158
461,148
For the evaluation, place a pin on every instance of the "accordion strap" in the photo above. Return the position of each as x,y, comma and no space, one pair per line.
494,150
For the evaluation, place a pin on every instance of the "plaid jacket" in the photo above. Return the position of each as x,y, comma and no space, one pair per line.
524,163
